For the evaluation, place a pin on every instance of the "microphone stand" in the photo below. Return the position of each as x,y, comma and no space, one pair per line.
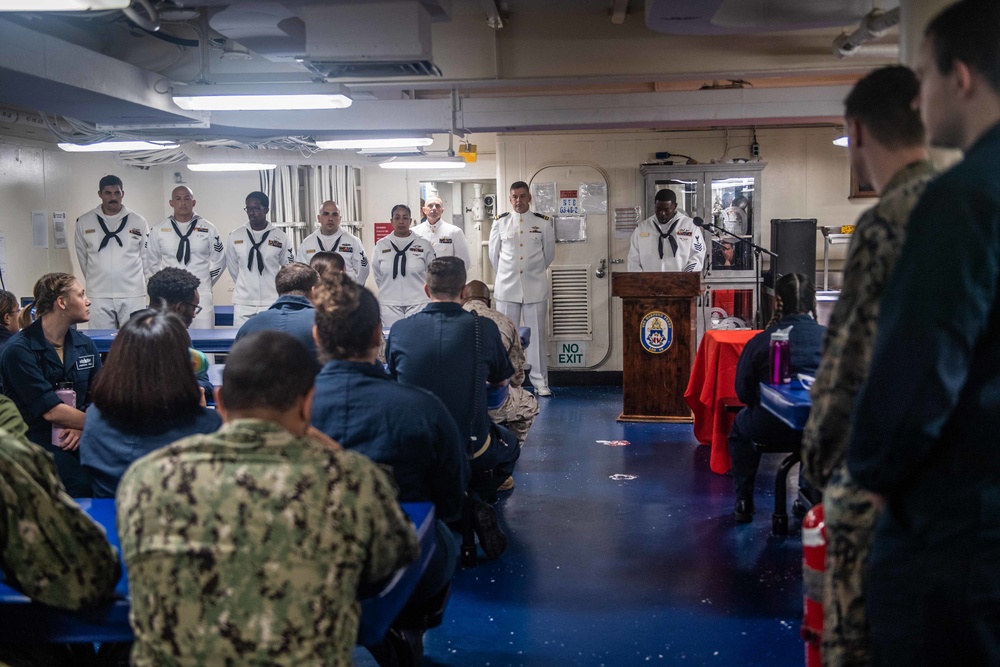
757,250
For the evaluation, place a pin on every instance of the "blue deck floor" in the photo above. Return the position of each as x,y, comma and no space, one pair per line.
624,572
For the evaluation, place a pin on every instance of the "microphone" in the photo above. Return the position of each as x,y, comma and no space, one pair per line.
698,222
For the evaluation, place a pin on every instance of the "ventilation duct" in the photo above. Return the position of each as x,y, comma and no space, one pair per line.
336,40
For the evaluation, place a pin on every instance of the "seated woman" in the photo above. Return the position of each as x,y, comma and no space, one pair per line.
400,265
358,404
145,398
47,353
327,263
795,306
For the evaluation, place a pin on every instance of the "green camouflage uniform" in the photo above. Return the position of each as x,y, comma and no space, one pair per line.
247,546
850,512
50,550
520,407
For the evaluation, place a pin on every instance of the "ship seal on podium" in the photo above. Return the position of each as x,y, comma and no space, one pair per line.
656,332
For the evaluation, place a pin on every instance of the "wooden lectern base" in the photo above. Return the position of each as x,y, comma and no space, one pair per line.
647,418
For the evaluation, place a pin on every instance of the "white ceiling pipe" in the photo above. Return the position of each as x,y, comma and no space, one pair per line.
873,26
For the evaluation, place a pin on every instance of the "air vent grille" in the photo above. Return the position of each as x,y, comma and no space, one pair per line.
571,303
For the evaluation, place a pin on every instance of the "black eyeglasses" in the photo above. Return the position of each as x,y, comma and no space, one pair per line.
197,308
253,209
335,214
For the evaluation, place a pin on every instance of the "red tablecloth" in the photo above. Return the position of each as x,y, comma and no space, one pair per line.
713,378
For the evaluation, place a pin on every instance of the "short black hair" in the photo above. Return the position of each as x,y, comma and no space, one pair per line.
261,197
172,286
267,369
395,208
295,277
446,277
108,180
883,101
519,185
966,31
666,194
346,317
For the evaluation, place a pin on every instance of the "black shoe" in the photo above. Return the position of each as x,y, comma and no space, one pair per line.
799,509
743,512
491,538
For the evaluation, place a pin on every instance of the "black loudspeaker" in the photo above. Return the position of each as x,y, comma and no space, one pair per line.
794,242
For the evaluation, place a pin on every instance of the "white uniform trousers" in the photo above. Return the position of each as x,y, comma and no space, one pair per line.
113,312
535,317
206,318
243,312
392,314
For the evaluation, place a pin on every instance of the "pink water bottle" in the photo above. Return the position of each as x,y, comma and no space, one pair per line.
780,357
66,394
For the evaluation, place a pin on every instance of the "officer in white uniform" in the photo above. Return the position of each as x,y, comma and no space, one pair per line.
329,238
667,240
110,242
187,241
400,263
522,245
255,253
448,239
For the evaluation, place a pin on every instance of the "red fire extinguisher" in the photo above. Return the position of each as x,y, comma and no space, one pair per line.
813,566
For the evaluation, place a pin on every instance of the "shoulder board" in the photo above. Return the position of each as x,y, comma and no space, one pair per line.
503,215
543,217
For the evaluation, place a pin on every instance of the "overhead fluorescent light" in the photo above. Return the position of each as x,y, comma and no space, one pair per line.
363,144
841,141
117,146
61,5
272,97
410,151
230,166
424,162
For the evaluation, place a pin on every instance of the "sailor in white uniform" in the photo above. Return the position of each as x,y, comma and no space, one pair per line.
110,242
255,253
188,241
448,239
400,263
330,238
522,245
668,240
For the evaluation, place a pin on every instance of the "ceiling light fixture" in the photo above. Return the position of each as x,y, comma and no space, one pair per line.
117,146
424,162
292,97
364,144
61,5
841,141
231,166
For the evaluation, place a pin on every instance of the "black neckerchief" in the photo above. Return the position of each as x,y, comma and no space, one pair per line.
255,251
399,261
108,235
184,247
667,235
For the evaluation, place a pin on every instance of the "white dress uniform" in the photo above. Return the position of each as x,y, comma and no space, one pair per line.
448,240
194,246
690,254
400,266
111,254
521,248
343,243
254,259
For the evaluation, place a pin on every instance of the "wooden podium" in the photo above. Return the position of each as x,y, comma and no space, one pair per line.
658,332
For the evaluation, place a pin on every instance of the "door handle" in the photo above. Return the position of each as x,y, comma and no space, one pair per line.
601,270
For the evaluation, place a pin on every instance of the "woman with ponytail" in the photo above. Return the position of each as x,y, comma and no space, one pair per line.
795,307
